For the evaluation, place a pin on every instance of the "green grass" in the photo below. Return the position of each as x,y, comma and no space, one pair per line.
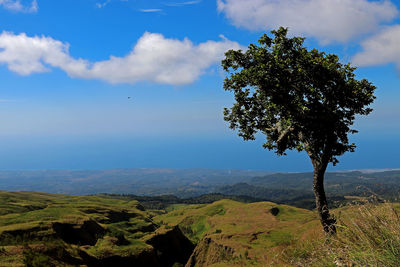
26,218
107,246
242,234
243,228
368,235
175,207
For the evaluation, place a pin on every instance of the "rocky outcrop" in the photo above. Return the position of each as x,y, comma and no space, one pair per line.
167,248
85,234
172,247
208,252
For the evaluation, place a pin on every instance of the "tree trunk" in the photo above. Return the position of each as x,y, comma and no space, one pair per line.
328,222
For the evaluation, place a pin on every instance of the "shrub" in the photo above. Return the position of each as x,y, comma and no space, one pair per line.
35,259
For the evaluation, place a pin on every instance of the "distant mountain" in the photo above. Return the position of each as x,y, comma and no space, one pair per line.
181,182
296,188
288,188
336,183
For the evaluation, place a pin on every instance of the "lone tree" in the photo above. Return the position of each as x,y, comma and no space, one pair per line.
299,99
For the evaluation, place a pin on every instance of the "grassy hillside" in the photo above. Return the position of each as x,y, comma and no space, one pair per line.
73,230
368,235
231,233
38,229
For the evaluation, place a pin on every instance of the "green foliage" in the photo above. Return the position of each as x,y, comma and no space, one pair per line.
194,227
35,259
116,233
299,98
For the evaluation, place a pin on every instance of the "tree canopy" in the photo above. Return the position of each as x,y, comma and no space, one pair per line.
298,98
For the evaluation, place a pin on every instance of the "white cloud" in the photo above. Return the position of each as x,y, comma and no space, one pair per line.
101,5
380,49
186,3
150,10
15,5
25,55
154,58
326,20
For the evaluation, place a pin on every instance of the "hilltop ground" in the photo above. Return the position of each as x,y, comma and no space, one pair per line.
39,229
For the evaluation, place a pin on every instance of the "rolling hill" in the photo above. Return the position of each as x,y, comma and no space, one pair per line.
41,229
60,230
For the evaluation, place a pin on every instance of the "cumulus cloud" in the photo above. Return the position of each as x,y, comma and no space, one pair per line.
380,49
154,58
328,21
17,6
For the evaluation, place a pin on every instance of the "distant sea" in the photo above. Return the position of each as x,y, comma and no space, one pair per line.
107,152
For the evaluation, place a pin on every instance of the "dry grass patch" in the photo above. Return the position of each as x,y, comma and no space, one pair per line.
368,235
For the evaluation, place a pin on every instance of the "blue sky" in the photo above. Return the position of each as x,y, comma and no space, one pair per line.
68,68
